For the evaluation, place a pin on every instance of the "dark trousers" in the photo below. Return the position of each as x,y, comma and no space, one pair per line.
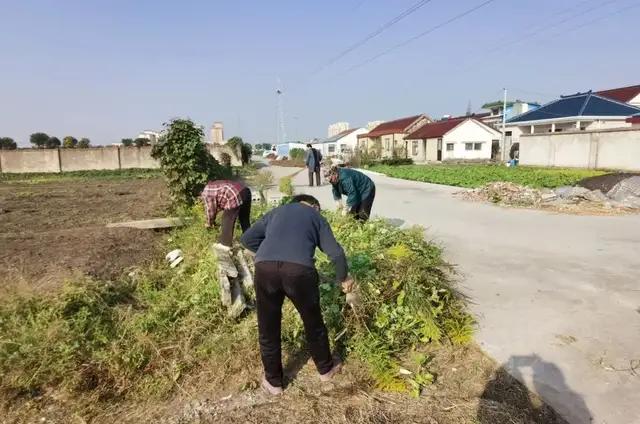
362,211
315,171
230,216
274,281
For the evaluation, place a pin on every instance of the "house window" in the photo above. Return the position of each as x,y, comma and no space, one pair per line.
332,148
449,147
477,146
468,146
414,148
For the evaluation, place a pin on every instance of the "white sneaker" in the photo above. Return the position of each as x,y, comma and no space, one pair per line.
337,367
271,390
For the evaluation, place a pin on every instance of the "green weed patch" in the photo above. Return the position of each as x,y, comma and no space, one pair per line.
478,175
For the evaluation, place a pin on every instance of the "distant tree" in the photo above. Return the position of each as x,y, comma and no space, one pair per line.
141,141
246,151
53,142
126,142
69,142
39,140
84,143
7,143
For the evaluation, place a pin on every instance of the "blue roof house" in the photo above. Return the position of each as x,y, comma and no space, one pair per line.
577,112
584,130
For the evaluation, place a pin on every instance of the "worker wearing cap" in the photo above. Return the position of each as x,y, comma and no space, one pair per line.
234,199
284,242
357,187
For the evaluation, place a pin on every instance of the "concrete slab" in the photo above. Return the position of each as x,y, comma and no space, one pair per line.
149,224
557,297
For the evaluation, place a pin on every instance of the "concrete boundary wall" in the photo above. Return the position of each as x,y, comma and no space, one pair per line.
89,159
94,158
604,149
137,157
29,160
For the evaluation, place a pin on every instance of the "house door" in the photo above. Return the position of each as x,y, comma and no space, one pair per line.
439,149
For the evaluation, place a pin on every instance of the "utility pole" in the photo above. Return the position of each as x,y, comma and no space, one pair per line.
282,136
504,120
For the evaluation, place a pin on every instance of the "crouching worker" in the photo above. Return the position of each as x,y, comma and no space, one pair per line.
234,199
358,188
285,241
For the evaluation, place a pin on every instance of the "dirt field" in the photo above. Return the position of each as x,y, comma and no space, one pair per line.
50,231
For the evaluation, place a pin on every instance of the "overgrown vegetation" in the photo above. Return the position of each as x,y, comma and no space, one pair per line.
185,161
479,175
143,335
296,154
286,185
262,181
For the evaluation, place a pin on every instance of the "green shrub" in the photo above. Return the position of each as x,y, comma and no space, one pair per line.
396,161
185,161
286,186
296,154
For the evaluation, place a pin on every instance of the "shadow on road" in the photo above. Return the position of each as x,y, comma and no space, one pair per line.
505,397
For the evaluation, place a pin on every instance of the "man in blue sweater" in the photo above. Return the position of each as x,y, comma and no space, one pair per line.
285,241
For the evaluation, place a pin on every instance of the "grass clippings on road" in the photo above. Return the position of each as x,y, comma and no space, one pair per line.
472,176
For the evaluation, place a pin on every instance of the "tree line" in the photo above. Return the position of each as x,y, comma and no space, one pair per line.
42,140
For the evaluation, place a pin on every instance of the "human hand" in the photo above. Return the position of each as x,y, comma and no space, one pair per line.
348,285
345,211
339,204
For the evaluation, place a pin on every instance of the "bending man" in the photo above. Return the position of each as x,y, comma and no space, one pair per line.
358,188
234,199
285,241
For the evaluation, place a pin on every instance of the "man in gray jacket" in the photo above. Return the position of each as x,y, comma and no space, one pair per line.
312,160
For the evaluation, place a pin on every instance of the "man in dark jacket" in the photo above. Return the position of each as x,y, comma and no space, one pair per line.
358,188
284,241
312,160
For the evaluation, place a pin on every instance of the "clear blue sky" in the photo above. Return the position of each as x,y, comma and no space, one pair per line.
109,69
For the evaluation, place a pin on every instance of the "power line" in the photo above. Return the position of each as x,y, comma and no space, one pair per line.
547,27
598,19
422,34
536,32
374,34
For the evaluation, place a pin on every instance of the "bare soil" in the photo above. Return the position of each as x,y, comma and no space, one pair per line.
51,231
604,183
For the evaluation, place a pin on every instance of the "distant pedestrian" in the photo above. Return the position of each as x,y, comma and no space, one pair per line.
234,199
357,187
285,241
312,160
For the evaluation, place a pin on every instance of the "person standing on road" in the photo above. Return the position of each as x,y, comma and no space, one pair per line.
234,199
284,242
312,161
358,188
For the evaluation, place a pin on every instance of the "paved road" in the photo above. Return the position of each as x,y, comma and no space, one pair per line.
557,296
